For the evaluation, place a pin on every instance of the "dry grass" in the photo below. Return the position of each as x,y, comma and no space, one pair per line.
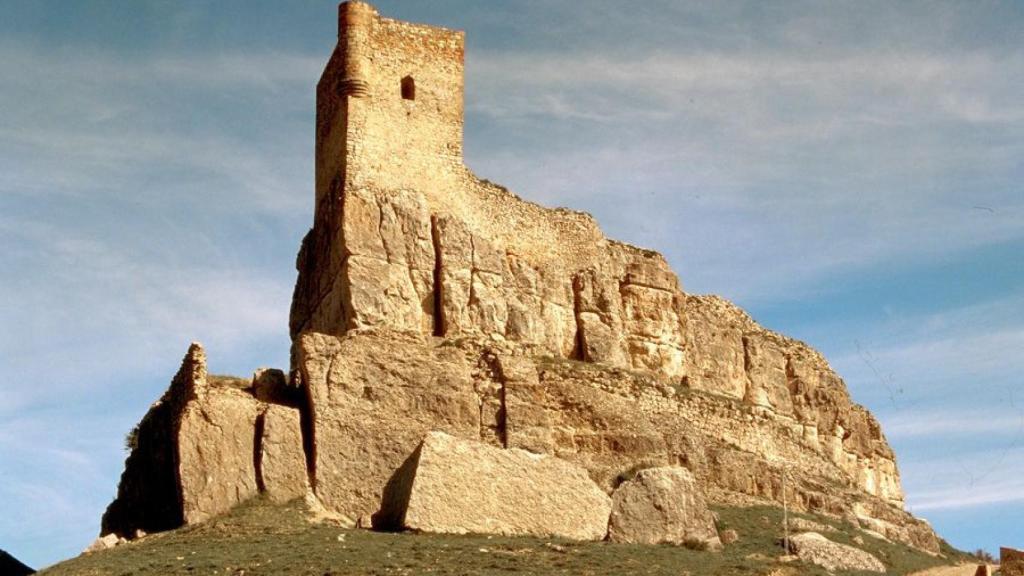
261,539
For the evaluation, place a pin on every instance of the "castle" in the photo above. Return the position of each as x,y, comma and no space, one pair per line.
431,300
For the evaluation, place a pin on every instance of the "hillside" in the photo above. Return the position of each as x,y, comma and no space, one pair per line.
260,538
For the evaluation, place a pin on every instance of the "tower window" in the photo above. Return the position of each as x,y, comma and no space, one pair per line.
408,88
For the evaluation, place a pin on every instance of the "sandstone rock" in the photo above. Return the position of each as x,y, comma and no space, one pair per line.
216,446
282,463
455,486
983,570
198,448
271,385
729,536
104,543
372,401
832,556
797,524
1011,562
661,505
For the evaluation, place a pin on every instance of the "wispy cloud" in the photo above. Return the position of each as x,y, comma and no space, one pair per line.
943,424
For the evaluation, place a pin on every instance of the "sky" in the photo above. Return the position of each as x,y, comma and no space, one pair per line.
848,172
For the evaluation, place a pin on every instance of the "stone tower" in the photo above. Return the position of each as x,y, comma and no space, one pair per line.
389,105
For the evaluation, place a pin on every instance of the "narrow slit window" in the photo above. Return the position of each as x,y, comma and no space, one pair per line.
408,88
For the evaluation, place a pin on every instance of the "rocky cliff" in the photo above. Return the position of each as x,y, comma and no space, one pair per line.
430,300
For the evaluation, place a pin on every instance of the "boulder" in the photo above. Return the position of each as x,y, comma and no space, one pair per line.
282,465
371,402
816,549
104,542
457,486
1011,562
983,570
662,505
729,536
272,386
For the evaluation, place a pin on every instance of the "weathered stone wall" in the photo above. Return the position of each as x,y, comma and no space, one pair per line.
205,446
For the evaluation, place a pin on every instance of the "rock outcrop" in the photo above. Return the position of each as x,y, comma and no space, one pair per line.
456,486
662,506
430,300
205,446
832,556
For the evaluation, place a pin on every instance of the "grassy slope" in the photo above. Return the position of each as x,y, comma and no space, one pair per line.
261,539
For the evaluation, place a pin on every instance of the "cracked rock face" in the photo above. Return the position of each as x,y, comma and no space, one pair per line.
662,506
371,402
205,446
455,486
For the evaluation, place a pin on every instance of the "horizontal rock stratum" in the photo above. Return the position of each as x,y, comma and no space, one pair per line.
430,300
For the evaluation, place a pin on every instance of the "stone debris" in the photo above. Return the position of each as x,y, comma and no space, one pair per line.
833,556
662,506
456,486
105,542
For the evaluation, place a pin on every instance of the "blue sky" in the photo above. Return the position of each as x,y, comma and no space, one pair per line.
848,172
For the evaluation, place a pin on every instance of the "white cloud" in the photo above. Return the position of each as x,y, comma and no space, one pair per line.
943,424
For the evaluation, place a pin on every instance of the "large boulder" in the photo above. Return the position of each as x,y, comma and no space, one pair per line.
372,400
457,486
662,505
832,556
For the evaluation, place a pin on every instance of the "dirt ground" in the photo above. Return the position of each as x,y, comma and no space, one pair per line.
961,570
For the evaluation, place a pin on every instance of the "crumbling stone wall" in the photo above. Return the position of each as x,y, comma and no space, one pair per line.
205,446
405,237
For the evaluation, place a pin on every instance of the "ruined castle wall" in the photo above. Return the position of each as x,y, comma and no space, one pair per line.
207,445
406,238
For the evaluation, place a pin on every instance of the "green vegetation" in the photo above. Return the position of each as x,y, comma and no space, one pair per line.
262,539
